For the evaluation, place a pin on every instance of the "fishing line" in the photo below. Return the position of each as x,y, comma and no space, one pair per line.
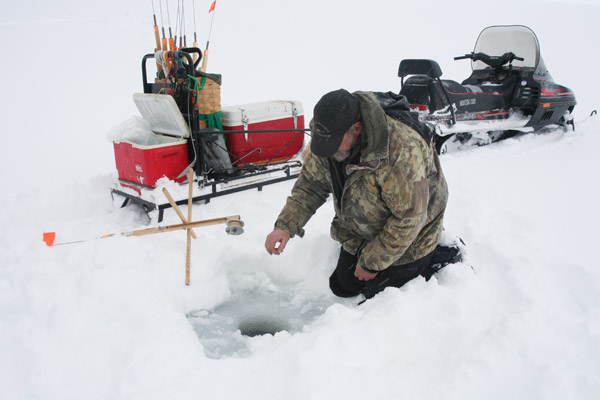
156,34
194,18
171,41
183,23
278,277
177,27
162,24
180,21
214,11
168,16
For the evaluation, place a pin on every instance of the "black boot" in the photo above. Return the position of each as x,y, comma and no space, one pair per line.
442,256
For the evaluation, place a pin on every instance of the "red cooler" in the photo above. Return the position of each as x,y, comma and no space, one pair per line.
263,147
163,153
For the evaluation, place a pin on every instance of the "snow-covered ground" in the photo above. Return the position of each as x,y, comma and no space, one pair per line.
106,319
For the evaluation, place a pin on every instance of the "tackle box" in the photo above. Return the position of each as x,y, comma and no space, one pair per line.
262,147
164,153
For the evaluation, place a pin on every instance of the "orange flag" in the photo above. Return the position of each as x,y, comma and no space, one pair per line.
49,238
212,8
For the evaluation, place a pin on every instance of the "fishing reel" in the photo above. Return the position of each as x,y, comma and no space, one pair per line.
234,227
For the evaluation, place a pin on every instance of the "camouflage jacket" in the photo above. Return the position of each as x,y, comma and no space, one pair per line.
393,200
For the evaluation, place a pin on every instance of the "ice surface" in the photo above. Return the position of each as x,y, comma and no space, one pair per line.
106,319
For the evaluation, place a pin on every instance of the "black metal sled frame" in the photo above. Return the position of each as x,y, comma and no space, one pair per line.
149,206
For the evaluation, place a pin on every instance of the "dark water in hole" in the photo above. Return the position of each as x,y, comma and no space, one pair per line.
261,325
225,330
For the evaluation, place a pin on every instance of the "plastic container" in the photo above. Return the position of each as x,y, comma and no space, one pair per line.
262,147
163,155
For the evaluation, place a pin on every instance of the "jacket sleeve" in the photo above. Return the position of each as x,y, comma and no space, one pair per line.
308,194
405,191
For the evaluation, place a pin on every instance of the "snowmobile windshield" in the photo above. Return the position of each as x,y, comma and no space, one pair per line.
518,39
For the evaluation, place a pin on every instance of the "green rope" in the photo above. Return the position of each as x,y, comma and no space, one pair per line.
212,120
197,85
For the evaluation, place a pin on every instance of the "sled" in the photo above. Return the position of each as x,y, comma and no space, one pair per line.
231,149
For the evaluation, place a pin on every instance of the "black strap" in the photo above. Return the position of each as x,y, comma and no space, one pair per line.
397,106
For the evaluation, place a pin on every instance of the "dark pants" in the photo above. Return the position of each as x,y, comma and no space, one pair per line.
343,283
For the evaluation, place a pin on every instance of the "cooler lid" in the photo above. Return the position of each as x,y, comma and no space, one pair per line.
262,111
161,111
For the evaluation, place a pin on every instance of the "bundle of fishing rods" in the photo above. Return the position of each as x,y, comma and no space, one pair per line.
170,44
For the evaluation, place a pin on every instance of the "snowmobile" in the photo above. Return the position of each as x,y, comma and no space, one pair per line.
509,91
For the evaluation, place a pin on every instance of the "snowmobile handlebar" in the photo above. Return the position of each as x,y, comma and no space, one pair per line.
463,57
492,61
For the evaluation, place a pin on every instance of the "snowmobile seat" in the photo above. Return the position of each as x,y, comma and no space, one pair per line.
423,90
474,98
420,88
428,68
454,87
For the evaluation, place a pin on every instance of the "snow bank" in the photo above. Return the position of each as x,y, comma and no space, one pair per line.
106,318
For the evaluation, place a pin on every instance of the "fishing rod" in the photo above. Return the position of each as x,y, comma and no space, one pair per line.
179,27
177,20
162,24
234,227
183,27
172,42
205,58
159,66
156,32
195,38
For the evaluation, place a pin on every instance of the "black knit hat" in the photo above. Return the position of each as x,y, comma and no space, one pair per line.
333,115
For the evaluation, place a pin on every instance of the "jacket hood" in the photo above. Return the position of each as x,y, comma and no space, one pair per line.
376,145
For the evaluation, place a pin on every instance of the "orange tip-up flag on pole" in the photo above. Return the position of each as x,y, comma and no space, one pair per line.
49,238
212,7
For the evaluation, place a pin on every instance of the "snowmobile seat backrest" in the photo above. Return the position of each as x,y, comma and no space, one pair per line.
419,67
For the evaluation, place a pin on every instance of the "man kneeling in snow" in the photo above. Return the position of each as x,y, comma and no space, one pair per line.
389,192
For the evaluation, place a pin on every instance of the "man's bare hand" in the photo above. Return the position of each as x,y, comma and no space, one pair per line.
276,241
363,275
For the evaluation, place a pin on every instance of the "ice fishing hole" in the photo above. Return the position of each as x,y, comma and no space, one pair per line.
261,325
224,331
